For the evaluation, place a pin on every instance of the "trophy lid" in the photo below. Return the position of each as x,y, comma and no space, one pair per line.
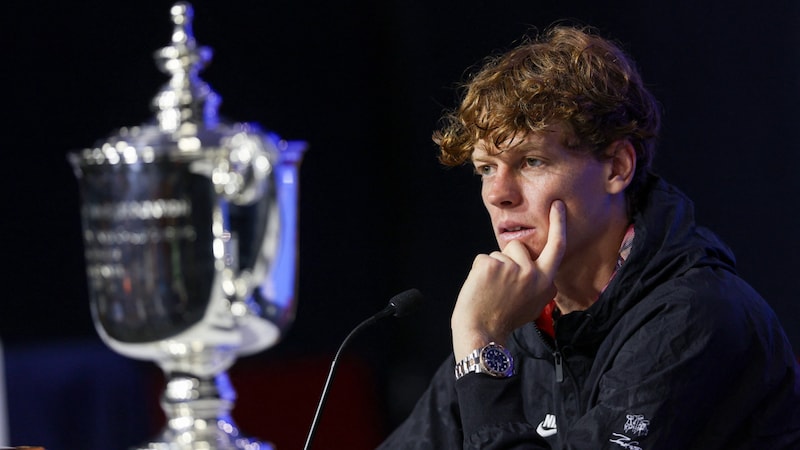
186,119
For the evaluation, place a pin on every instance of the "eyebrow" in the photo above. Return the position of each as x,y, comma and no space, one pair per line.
483,156
522,147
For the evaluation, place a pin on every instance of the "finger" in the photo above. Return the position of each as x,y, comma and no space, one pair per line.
518,252
484,260
550,257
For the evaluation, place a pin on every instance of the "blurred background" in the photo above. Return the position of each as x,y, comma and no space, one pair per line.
364,83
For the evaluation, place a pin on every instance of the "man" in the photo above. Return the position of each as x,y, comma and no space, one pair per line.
608,319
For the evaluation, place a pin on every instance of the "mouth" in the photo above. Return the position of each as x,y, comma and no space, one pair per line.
511,232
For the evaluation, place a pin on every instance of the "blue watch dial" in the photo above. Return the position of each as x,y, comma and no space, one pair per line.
496,360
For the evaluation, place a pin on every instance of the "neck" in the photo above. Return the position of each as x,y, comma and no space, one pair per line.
583,277
584,286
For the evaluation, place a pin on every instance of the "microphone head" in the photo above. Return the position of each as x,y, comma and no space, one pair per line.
406,302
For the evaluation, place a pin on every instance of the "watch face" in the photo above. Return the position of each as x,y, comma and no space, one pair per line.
496,360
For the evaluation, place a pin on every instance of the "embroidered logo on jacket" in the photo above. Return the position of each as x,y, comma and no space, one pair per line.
547,427
635,425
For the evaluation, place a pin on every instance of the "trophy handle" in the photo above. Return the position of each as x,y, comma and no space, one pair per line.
262,181
280,284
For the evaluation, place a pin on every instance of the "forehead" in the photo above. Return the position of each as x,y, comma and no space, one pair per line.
547,140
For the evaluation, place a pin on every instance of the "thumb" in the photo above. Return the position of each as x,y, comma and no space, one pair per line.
553,251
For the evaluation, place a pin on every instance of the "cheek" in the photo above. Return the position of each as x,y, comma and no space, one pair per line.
538,199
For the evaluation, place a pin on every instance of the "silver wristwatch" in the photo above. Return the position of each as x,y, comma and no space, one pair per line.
493,360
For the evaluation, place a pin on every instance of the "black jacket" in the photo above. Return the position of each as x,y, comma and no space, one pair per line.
677,353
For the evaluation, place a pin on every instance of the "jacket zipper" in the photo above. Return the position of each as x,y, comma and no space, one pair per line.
557,358
559,366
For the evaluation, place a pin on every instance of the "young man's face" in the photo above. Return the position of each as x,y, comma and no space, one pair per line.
521,182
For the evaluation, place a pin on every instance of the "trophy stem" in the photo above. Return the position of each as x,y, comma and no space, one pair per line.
198,416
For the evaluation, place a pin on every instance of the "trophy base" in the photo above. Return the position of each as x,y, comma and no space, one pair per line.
198,416
224,436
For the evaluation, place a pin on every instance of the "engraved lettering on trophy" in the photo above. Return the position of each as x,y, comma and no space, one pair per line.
142,210
104,263
105,271
104,254
104,242
150,235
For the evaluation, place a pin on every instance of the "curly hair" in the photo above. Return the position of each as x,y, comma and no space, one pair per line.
568,76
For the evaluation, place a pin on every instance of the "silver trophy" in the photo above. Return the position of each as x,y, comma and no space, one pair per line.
190,234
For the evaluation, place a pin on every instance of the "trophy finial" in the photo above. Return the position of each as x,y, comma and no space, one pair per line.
186,103
182,16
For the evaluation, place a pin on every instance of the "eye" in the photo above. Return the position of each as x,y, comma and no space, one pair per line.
531,161
484,169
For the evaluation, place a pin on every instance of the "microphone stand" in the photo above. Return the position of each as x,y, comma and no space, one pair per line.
326,389
400,305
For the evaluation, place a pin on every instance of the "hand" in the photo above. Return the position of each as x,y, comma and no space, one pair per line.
505,290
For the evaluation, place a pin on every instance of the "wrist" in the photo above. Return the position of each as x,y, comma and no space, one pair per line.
465,342
470,332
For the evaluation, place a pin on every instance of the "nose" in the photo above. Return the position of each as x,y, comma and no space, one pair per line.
502,190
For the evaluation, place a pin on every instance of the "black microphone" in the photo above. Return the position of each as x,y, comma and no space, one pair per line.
400,305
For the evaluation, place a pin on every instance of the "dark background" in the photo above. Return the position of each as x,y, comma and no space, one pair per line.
364,83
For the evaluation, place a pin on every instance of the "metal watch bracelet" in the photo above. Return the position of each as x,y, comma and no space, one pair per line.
470,364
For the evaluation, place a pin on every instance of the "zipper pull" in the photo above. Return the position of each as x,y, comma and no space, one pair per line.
559,366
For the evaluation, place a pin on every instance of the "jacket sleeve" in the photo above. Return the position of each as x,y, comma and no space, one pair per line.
492,414
475,412
434,423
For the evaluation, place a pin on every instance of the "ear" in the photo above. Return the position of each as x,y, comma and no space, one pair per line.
621,165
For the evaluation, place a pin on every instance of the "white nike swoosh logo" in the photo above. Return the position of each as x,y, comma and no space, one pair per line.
543,431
